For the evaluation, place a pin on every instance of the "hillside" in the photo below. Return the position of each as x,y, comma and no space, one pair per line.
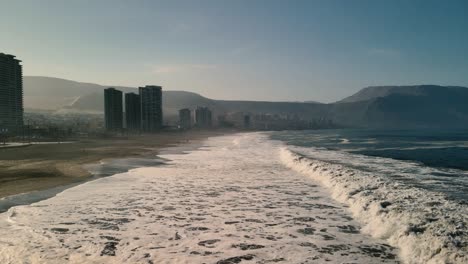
417,106
55,94
404,107
374,92
50,93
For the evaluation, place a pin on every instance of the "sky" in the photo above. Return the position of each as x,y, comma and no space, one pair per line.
310,50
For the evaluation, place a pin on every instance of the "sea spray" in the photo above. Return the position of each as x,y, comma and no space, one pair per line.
232,200
426,226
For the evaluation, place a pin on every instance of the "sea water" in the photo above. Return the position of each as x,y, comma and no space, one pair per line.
247,198
408,187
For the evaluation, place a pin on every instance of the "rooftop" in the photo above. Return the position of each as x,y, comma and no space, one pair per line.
13,57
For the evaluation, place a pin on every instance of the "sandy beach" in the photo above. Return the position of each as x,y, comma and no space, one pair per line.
237,198
43,166
230,201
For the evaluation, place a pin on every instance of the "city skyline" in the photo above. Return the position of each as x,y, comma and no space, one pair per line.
256,50
142,112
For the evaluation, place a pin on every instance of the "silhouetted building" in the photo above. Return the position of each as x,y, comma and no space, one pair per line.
223,122
132,111
151,108
246,121
203,117
113,109
11,94
185,118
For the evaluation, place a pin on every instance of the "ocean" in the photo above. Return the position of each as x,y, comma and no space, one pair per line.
407,186
435,160
331,196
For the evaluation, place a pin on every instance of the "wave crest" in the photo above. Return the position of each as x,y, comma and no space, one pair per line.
425,226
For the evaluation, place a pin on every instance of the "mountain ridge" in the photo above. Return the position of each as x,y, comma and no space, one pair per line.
373,106
372,92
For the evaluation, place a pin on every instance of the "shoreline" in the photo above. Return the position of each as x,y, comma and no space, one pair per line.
39,168
235,201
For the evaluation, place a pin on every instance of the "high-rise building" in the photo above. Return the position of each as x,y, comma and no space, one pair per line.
185,118
151,108
246,121
132,111
11,94
113,109
203,117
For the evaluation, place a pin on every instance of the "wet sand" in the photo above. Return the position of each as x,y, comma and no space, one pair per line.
41,167
232,201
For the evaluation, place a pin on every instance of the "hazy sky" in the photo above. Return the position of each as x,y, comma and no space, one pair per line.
319,50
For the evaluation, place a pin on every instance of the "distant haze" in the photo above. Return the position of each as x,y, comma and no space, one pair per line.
421,106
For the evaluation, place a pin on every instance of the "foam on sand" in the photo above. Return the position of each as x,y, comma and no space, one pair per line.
231,201
426,226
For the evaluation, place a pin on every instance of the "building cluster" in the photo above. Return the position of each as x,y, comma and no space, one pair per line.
202,118
39,124
138,112
143,111
11,94
15,123
271,121
288,122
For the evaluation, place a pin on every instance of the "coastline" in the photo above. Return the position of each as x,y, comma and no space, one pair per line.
228,201
42,167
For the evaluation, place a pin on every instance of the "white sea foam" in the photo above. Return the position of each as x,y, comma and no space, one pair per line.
345,141
232,200
427,227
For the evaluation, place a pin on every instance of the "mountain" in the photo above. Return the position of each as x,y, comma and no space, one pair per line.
50,93
374,92
64,95
418,106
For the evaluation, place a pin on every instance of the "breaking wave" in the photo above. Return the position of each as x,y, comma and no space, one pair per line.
426,226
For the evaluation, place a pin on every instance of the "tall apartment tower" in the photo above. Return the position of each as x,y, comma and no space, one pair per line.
151,108
132,111
113,109
203,117
185,118
246,121
11,94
